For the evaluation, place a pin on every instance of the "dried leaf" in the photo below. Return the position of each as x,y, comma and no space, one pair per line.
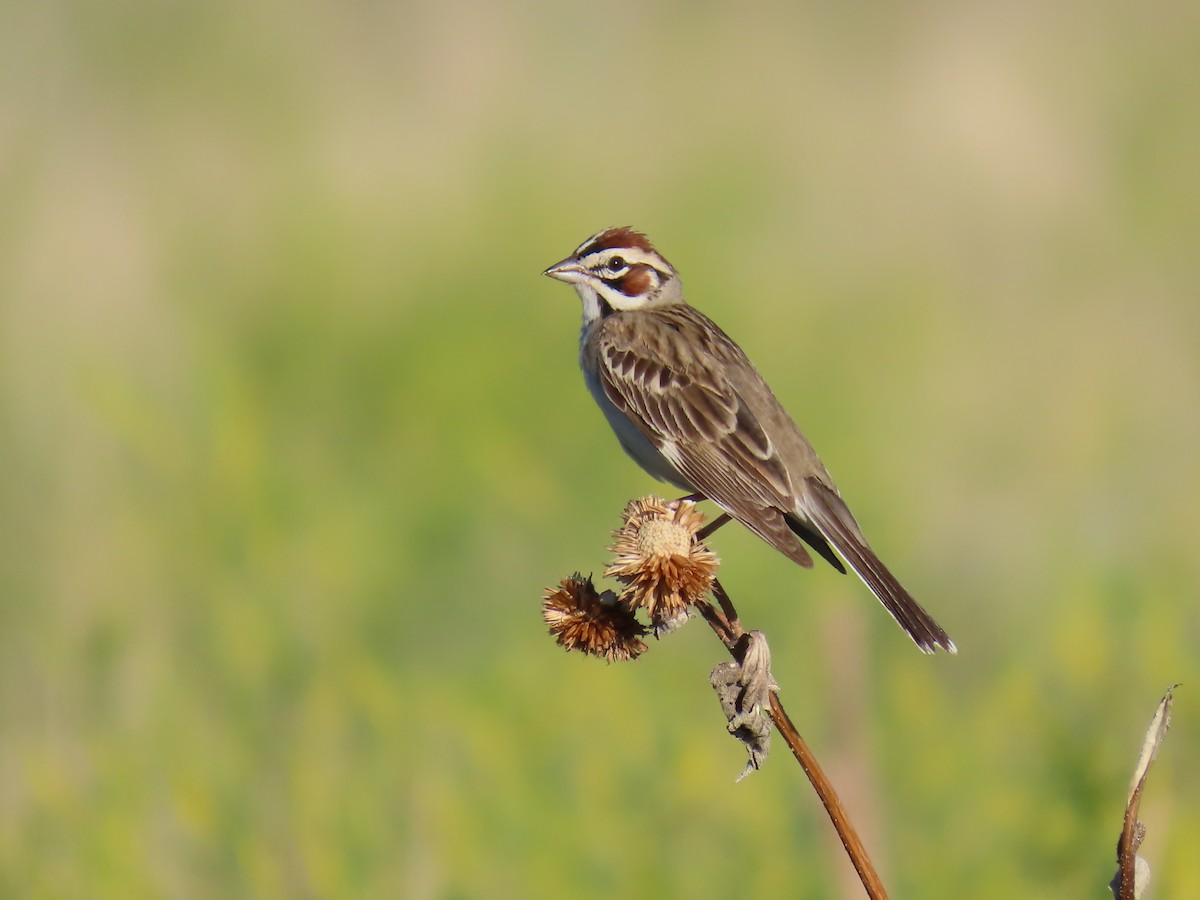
743,690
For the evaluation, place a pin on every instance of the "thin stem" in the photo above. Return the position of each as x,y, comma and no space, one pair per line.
1127,848
718,623
731,614
711,527
726,625
829,798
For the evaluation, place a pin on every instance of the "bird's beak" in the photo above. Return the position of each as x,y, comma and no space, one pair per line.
569,270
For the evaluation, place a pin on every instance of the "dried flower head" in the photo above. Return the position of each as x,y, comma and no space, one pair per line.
659,559
582,619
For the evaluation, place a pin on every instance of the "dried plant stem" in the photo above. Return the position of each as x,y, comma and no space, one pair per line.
1131,879
727,607
1127,847
719,624
712,526
725,623
829,798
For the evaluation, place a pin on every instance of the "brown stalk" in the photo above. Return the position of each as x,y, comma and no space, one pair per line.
664,566
728,628
829,798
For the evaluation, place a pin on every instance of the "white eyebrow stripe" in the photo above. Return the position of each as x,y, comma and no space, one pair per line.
632,255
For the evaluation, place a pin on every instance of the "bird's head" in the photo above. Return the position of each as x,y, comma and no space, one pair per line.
618,269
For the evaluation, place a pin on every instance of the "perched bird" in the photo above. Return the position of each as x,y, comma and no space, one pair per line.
692,410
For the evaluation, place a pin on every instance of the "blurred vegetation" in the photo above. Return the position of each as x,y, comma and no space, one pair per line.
293,438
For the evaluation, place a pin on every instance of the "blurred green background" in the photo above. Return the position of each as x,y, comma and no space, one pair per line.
293,439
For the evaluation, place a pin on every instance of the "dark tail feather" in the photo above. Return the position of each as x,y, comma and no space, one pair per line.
814,539
831,517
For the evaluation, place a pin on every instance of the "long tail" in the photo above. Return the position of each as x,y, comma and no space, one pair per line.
828,514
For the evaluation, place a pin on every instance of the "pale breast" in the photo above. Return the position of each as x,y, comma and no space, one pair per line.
632,440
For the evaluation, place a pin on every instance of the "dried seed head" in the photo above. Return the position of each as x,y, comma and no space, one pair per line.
658,558
581,619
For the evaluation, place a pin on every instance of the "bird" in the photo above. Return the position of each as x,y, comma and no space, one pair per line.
691,409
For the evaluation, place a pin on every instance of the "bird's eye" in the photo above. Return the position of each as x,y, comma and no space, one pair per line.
617,262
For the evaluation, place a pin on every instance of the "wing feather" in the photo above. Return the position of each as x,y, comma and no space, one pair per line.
669,377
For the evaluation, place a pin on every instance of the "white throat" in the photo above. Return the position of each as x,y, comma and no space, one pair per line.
591,302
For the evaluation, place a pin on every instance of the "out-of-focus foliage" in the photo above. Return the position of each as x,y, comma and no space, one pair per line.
293,439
